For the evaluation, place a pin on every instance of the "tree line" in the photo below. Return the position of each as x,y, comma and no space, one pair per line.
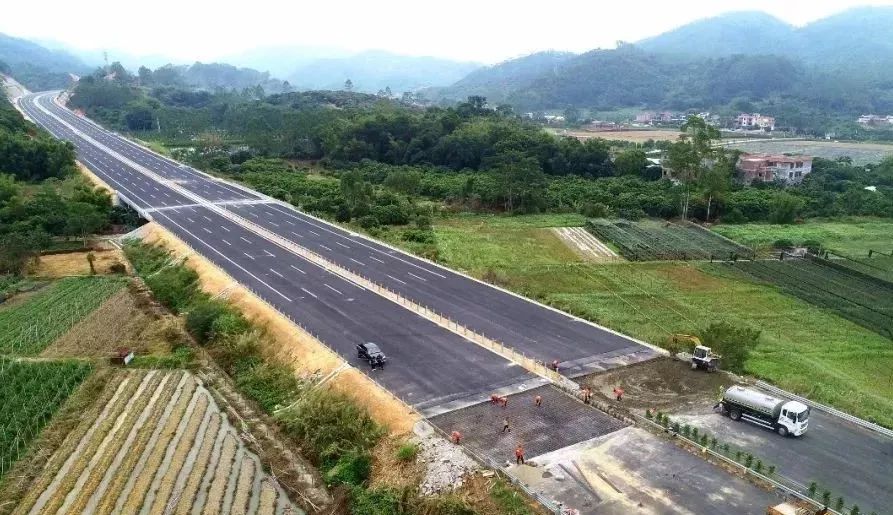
41,196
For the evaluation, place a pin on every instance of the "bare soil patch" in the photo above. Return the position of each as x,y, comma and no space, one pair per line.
631,135
664,384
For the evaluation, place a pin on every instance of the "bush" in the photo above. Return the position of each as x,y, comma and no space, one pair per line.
271,386
407,452
785,208
374,501
201,318
595,210
734,216
174,287
782,243
352,468
813,246
117,268
238,351
229,323
368,222
330,425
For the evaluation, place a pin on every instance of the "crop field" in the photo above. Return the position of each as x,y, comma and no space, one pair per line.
31,392
878,266
813,352
861,153
653,240
853,237
156,442
31,325
853,296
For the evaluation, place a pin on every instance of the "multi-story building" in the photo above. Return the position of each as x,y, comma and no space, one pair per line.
756,121
774,167
875,120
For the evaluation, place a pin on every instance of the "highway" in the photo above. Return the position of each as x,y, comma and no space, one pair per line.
429,366
535,330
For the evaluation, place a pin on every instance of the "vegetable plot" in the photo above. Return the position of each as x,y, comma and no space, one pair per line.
652,240
29,326
30,392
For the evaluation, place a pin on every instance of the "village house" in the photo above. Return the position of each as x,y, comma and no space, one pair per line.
755,121
773,167
875,120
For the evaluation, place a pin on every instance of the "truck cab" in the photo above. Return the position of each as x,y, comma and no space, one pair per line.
794,418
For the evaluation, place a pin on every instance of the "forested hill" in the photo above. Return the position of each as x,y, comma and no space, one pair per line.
839,66
497,82
210,77
372,71
37,67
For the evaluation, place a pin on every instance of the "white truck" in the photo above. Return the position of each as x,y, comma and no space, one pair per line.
784,417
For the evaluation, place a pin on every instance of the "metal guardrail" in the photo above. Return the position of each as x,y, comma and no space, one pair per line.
827,409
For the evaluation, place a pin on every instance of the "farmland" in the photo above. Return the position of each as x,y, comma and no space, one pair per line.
31,325
852,236
154,442
811,351
31,393
853,296
878,266
861,153
652,240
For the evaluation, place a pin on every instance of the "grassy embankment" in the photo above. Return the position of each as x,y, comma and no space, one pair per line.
802,348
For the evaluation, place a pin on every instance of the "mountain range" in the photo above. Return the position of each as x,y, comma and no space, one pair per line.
843,62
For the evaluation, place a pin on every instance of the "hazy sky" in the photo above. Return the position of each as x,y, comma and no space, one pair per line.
479,30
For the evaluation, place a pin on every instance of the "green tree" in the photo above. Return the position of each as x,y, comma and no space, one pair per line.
691,156
521,181
785,208
733,343
348,85
717,180
632,162
83,220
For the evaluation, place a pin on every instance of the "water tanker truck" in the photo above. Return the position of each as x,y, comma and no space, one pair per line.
784,417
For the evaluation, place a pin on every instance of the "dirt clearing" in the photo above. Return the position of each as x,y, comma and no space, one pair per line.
75,263
664,384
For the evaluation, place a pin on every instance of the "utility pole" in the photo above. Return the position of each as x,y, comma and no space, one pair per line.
105,56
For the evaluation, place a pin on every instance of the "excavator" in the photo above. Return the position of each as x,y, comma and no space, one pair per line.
702,356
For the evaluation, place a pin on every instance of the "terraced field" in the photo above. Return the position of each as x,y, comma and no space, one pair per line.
878,266
33,323
853,295
154,442
653,240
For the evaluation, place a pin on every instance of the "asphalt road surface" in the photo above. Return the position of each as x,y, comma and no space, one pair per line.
840,456
428,365
535,330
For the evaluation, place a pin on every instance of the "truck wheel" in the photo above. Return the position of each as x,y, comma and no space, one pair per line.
783,431
734,414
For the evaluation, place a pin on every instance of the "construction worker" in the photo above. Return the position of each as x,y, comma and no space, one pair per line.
494,399
587,394
618,393
505,425
538,401
519,455
456,437
554,365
